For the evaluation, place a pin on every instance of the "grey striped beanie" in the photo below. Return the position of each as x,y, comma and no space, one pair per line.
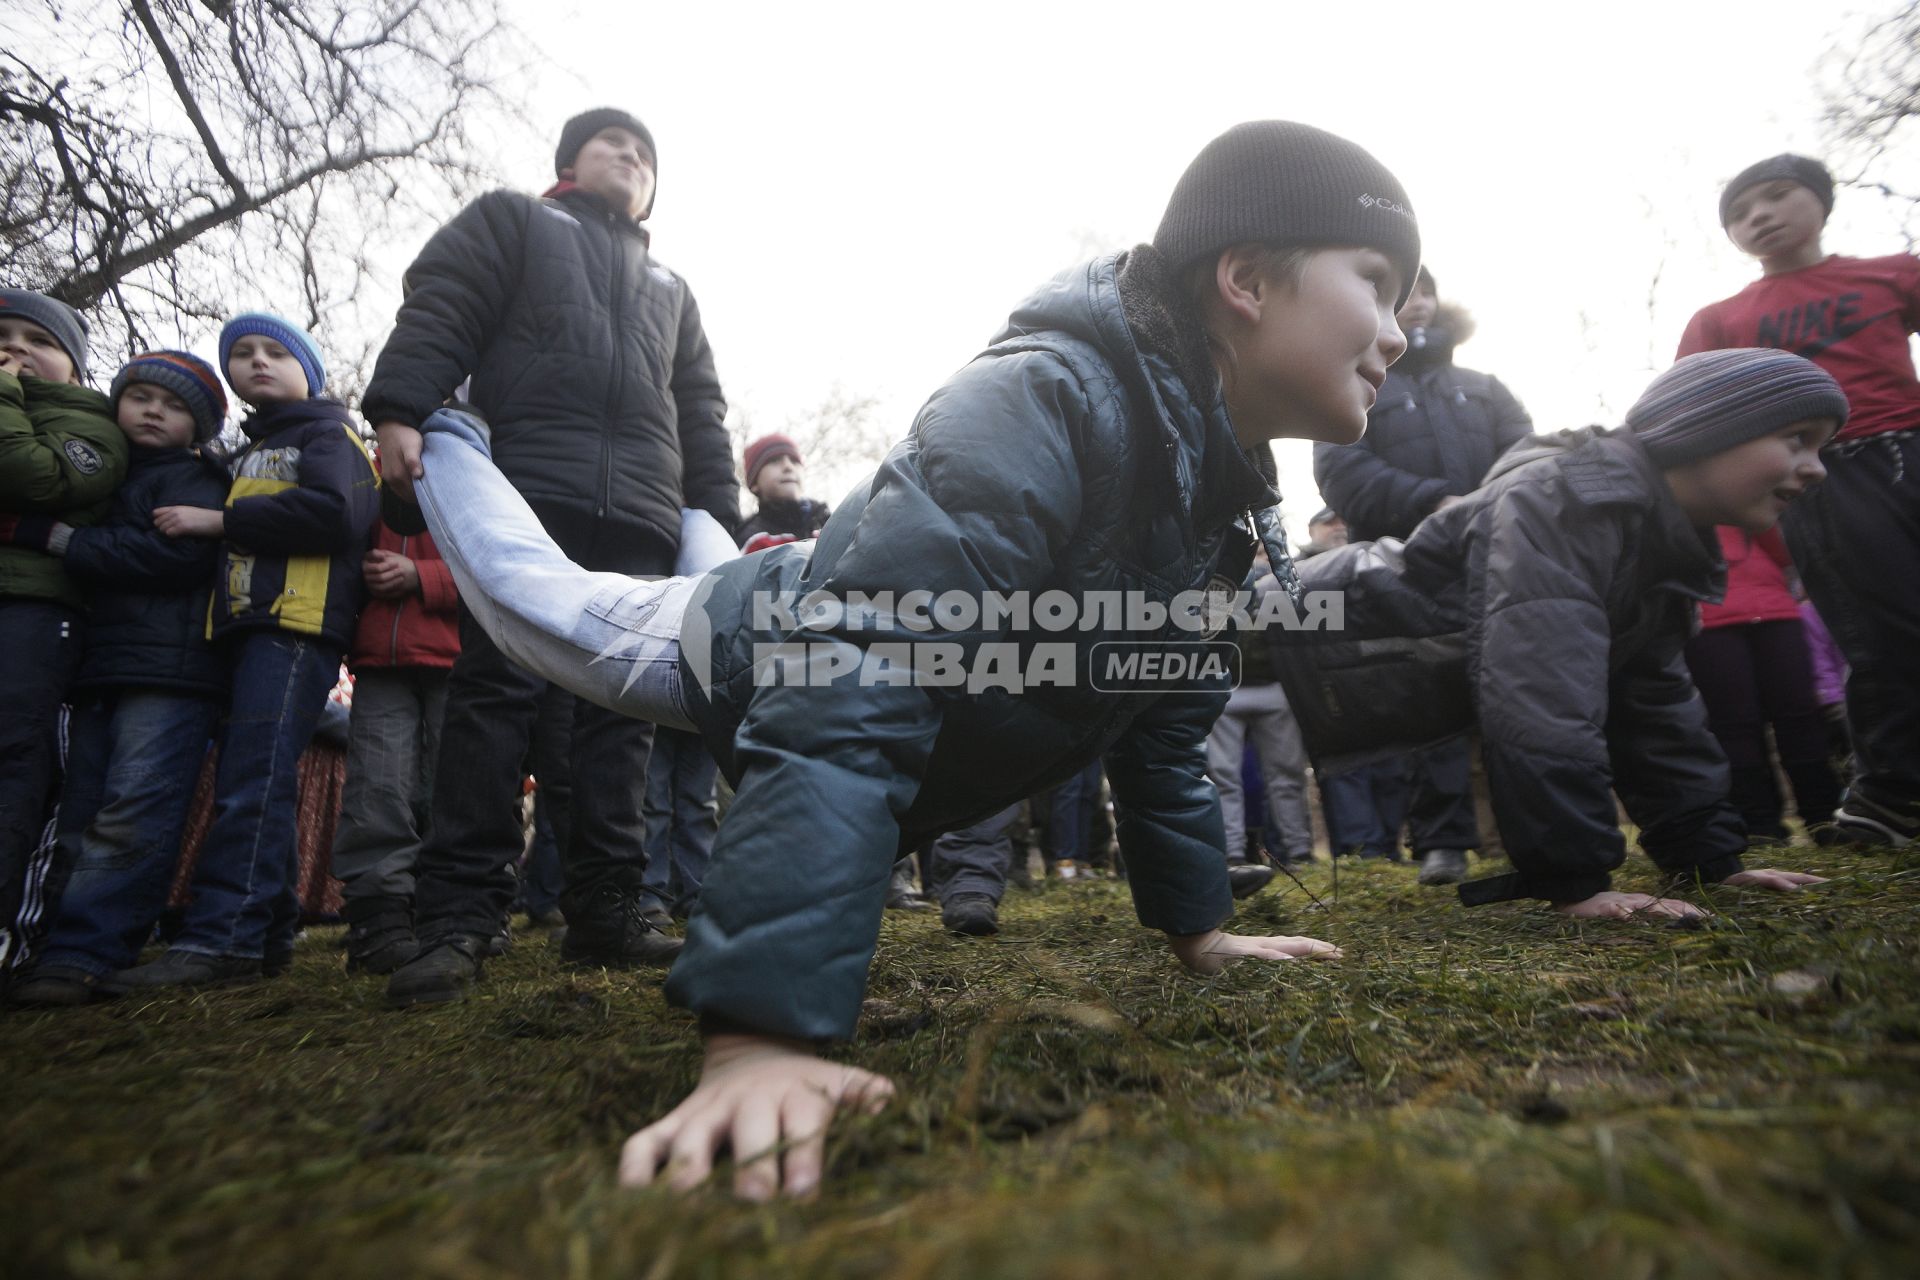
1712,401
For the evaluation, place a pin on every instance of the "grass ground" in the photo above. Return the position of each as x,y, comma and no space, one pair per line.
1491,1092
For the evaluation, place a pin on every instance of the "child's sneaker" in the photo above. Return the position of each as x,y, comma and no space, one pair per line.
58,986
1861,821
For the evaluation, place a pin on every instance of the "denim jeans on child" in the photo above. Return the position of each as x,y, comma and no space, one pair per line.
134,760
682,817
244,899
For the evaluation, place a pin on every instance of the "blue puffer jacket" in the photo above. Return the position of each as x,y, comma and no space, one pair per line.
1066,457
147,593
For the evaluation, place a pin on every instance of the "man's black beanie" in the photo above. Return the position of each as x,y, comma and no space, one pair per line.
1281,183
1805,170
577,132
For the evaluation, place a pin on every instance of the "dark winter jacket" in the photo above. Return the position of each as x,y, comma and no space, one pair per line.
299,515
420,630
587,357
61,455
796,519
146,592
1065,457
1434,432
1571,579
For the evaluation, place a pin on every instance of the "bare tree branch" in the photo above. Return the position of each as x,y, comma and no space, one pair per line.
190,155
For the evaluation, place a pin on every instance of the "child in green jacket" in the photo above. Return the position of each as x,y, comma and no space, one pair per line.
61,457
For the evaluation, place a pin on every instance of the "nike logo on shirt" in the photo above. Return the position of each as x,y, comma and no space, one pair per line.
1812,327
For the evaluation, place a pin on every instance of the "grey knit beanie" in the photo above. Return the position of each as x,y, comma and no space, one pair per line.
1710,402
1281,183
56,317
1805,170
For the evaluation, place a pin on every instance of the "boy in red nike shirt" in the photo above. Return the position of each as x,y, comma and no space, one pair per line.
1856,539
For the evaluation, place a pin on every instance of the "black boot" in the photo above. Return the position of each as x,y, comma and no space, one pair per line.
610,929
444,970
379,935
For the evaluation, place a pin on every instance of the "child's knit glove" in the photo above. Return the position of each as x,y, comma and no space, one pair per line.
35,533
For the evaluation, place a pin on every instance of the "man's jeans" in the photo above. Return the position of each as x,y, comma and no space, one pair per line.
529,614
1365,807
1856,540
392,743
134,759
682,817
40,646
245,902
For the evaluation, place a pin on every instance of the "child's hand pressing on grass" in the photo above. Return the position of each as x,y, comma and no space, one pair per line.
1778,881
1618,906
1209,952
766,1099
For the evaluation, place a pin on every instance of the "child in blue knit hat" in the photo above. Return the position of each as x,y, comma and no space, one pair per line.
150,685
294,529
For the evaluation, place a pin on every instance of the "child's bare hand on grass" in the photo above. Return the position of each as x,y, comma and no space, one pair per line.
190,522
1618,906
1778,881
1210,952
400,447
768,1100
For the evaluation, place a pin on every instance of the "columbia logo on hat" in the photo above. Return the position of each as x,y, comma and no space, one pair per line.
1382,202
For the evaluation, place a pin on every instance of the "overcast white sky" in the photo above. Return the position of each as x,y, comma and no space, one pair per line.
860,193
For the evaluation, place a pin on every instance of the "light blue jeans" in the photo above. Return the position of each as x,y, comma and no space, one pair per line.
609,638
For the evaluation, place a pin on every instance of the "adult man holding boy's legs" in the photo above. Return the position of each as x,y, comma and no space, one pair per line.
1855,539
589,361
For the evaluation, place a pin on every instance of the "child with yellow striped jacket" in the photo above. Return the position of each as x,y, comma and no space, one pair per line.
295,527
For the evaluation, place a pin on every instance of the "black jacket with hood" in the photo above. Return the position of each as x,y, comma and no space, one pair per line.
587,357
1555,601
1434,431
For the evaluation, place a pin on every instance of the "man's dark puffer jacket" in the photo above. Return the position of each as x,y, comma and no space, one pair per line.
1434,432
798,519
147,593
587,357
1065,457
1573,575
